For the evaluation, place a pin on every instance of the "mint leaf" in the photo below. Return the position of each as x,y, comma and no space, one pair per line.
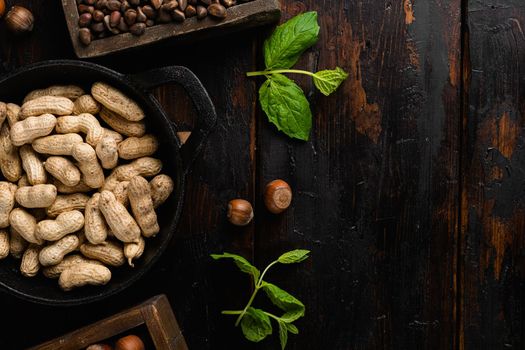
292,315
291,328
286,106
283,334
284,301
241,263
256,325
327,81
289,40
294,256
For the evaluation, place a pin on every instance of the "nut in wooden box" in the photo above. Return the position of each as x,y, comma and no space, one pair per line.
155,314
239,17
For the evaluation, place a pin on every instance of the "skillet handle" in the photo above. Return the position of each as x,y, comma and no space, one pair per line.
206,115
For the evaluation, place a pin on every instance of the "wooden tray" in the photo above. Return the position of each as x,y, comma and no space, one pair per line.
247,15
155,314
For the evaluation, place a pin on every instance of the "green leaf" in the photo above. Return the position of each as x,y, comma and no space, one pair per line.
283,334
291,328
294,256
255,325
292,315
327,81
289,40
284,301
284,103
241,263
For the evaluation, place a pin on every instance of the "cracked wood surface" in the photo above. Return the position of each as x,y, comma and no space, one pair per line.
409,193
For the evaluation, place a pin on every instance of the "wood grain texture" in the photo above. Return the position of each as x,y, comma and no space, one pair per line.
376,187
409,193
493,214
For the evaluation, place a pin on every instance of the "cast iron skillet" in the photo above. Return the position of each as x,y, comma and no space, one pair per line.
176,160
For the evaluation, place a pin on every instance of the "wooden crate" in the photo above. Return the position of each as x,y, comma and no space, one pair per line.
155,314
243,16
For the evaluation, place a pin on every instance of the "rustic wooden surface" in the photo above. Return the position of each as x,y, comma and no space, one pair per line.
409,193
493,213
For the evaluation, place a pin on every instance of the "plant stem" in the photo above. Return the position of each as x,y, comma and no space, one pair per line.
258,285
272,316
268,72
231,312
247,306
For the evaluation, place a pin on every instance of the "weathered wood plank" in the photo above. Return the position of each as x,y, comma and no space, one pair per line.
376,188
224,171
493,215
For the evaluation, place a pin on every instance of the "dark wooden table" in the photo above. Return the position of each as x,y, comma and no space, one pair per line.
409,193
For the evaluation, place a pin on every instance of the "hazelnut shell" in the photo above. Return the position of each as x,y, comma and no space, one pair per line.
19,20
277,196
240,212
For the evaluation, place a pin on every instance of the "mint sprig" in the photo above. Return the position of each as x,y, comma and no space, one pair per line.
281,99
255,323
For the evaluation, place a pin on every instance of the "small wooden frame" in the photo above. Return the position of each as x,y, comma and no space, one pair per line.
243,16
155,314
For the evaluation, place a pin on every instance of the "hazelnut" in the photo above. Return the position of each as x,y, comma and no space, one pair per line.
190,11
156,4
114,19
108,26
98,16
84,20
113,5
122,26
141,17
178,16
124,6
19,20
201,12
170,6
97,27
129,342
217,10
240,212
101,4
137,29
2,8
149,11
84,35
163,16
131,17
85,9
229,3
99,347
277,196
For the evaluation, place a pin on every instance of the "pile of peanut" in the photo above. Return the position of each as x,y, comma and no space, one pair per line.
77,200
